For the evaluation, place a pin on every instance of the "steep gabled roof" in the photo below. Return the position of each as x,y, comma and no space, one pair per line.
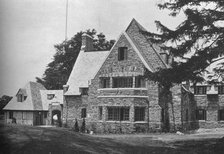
86,65
32,101
149,51
58,97
89,63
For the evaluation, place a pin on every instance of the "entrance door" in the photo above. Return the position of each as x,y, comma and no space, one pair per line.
56,117
39,118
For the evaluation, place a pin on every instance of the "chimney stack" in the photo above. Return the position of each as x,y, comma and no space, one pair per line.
87,42
65,88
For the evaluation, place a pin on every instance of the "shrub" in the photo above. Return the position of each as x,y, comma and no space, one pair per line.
83,127
76,126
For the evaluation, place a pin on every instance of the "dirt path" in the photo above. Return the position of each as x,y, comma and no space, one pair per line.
28,140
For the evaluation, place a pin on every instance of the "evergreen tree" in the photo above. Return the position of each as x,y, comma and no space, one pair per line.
76,126
58,71
194,44
83,127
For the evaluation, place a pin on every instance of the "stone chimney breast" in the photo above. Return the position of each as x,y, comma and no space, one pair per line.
87,42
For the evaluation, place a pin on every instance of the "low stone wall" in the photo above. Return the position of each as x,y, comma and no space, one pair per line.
211,124
121,127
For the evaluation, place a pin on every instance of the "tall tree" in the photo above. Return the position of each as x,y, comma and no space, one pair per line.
58,71
193,44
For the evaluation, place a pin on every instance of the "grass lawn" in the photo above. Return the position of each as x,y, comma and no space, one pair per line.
27,140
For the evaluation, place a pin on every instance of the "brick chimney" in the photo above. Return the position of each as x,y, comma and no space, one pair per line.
65,88
87,42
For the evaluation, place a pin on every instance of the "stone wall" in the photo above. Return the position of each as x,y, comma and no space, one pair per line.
20,119
72,109
211,107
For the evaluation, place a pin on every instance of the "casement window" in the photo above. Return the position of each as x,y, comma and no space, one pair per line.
50,96
122,53
45,114
140,82
100,112
10,114
105,82
83,113
122,82
221,115
118,113
200,90
139,113
84,91
162,115
221,89
24,115
19,97
201,114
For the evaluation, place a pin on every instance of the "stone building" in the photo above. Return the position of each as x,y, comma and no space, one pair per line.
209,100
34,105
107,88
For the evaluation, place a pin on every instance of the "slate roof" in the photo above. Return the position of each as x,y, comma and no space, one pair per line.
33,99
58,97
85,68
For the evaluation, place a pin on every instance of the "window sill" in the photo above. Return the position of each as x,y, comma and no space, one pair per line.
110,121
102,89
200,94
202,120
140,122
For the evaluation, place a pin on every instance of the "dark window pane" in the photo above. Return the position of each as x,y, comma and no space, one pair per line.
118,113
201,114
221,115
100,112
200,90
83,113
122,82
84,91
122,53
140,82
221,89
105,82
139,113
10,114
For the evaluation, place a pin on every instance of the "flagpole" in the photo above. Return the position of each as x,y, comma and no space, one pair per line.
66,20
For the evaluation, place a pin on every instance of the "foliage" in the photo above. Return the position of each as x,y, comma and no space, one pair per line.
194,44
58,71
4,101
83,127
76,126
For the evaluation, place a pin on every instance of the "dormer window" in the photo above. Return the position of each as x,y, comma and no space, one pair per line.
50,96
84,91
122,53
20,98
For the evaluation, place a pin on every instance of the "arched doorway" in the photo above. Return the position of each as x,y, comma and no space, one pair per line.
56,118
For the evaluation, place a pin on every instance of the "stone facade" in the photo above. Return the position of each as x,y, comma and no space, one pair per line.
133,108
211,102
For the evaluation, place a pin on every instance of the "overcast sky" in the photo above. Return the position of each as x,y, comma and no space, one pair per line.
30,28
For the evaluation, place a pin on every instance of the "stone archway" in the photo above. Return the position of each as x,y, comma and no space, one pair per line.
56,121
